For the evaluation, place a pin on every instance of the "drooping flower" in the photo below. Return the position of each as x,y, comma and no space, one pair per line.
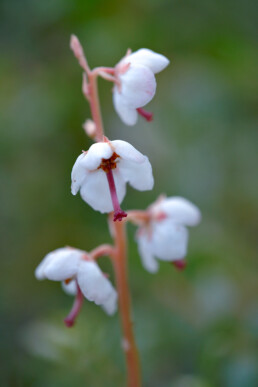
163,234
136,84
102,172
80,276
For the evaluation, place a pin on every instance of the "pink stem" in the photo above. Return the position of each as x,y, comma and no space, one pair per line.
70,319
118,213
94,105
108,70
129,345
145,114
102,250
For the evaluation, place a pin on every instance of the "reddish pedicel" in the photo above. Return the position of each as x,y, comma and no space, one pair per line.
107,166
70,319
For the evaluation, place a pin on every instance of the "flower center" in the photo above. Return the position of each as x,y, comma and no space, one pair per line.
70,319
107,166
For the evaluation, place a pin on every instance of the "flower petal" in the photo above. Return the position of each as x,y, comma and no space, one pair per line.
110,305
62,264
95,190
139,175
169,240
95,154
79,172
127,114
70,288
180,210
95,286
127,151
138,86
154,61
39,272
144,247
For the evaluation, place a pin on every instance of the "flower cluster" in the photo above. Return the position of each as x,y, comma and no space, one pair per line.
101,173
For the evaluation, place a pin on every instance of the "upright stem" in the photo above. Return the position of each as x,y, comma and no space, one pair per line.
128,342
94,106
119,256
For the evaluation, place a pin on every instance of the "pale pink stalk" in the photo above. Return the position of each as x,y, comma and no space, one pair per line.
119,254
101,251
128,342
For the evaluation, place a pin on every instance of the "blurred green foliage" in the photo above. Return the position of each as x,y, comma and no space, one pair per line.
195,329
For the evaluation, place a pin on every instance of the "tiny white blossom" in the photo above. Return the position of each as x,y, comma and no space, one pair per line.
164,235
136,83
79,275
101,175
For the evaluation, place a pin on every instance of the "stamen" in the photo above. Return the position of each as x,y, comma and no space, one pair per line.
147,115
179,264
70,319
118,213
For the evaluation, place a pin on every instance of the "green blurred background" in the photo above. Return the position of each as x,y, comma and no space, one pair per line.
198,328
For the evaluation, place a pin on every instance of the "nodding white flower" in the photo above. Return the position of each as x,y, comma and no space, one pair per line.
102,172
163,234
135,83
80,276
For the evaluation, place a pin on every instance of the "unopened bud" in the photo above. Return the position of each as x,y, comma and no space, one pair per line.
76,47
90,128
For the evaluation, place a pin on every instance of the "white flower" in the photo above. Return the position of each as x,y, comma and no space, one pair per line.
136,84
79,275
101,175
164,235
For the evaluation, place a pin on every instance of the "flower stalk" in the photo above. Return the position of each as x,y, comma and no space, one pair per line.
101,174
128,341
119,254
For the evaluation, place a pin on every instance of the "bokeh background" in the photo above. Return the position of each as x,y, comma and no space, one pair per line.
198,328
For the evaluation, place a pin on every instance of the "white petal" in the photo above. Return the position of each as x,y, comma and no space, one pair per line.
70,288
181,211
139,175
39,272
127,114
169,240
138,86
127,151
110,305
95,190
63,264
144,247
155,62
79,173
95,286
95,154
